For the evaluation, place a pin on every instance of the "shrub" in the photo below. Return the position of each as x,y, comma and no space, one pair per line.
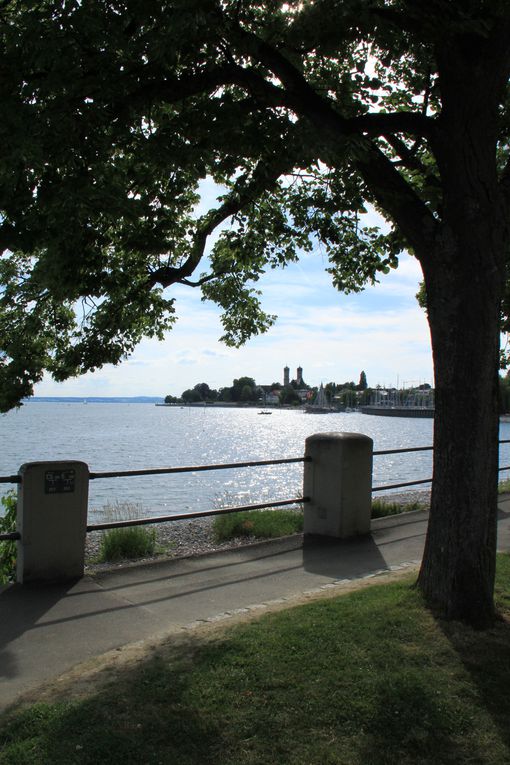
127,542
8,549
130,542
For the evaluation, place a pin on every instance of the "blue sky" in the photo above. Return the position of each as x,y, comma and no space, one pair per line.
332,336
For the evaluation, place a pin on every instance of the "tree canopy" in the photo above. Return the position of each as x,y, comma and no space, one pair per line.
115,111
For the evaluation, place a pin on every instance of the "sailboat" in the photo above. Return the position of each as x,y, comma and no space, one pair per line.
320,405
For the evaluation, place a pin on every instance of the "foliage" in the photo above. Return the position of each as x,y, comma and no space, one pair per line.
260,524
288,396
191,396
109,224
367,677
199,392
8,549
244,389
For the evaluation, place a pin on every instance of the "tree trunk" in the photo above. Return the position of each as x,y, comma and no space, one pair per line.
457,572
464,275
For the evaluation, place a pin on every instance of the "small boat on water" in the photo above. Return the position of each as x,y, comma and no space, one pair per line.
263,412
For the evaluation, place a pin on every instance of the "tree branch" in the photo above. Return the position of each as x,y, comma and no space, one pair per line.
409,159
399,199
413,123
264,177
391,190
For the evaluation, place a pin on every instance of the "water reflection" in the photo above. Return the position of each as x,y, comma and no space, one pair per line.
129,436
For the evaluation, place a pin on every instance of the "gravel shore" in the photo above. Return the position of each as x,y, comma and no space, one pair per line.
178,539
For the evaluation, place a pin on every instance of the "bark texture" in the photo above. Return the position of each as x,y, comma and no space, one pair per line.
464,276
457,574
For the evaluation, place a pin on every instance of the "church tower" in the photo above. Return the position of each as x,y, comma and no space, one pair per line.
299,376
286,376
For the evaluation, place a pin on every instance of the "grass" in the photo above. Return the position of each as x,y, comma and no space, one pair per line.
128,542
261,524
381,508
268,524
504,486
368,678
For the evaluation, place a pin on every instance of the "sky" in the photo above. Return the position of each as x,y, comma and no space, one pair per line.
332,336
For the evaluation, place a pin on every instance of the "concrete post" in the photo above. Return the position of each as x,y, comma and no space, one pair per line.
338,481
52,520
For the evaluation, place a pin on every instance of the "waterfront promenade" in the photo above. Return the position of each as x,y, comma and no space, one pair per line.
47,630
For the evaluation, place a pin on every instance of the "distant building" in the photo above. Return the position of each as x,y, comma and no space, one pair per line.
268,395
298,382
299,385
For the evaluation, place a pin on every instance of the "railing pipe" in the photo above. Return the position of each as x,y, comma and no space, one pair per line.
198,514
195,468
10,536
400,485
401,451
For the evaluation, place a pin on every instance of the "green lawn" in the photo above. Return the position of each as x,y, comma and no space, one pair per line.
367,678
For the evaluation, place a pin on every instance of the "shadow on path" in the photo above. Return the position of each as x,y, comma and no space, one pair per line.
21,609
342,558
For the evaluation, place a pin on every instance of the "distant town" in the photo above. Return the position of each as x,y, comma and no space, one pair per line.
295,392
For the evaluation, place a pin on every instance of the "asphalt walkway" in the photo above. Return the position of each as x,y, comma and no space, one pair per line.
47,630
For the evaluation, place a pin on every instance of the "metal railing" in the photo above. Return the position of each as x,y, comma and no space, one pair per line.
387,487
200,513
16,479
10,536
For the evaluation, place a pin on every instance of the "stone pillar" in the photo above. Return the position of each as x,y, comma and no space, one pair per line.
52,520
338,481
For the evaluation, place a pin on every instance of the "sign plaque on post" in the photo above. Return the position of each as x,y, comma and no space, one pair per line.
59,481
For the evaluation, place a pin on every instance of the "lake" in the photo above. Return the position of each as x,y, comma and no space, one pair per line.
111,436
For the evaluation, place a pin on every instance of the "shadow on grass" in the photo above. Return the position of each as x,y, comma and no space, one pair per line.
367,679
410,724
486,655
143,718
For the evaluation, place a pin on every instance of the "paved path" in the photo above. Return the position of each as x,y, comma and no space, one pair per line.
46,630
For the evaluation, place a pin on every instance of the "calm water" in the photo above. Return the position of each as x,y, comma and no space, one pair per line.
129,436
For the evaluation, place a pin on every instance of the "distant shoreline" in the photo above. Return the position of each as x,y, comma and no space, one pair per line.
94,400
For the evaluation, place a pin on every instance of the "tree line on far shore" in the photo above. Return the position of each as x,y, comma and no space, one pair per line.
246,390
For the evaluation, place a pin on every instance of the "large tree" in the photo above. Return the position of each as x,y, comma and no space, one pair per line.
113,111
